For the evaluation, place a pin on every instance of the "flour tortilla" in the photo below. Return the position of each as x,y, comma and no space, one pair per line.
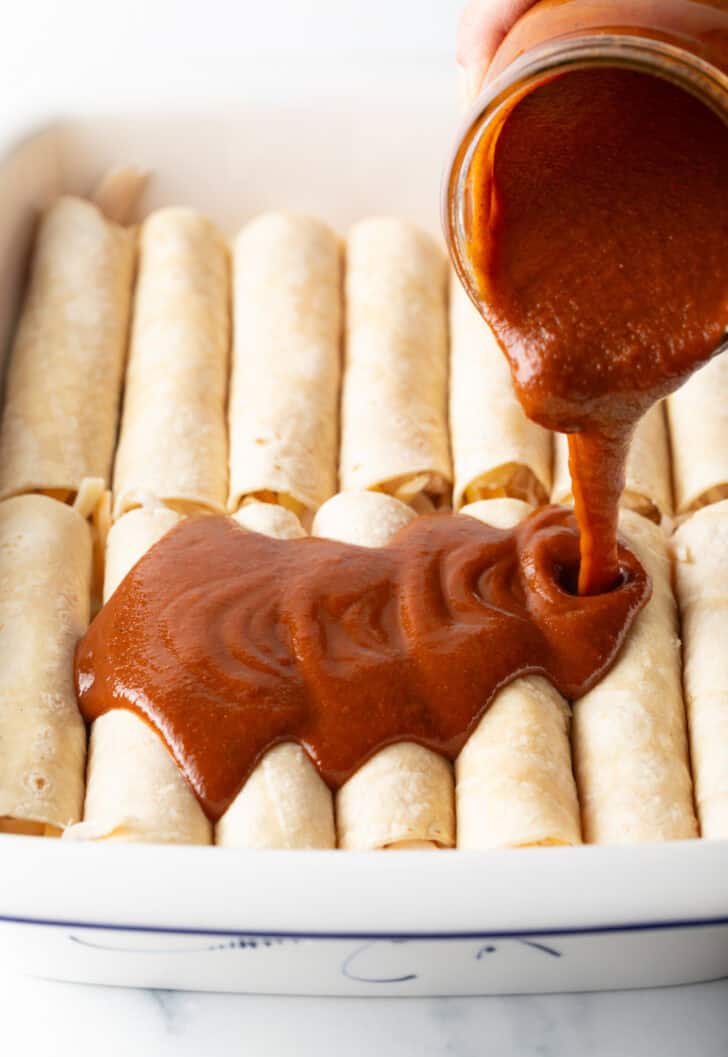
497,451
65,371
367,519
173,442
131,537
400,797
698,417
629,733
284,804
45,584
286,363
135,791
403,796
270,520
501,513
394,432
701,551
515,785
648,488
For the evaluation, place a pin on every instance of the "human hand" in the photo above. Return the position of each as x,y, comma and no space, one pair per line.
483,26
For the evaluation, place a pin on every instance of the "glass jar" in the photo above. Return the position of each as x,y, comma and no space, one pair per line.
682,41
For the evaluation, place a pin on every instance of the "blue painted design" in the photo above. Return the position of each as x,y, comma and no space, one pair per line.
541,947
351,966
348,964
237,943
490,949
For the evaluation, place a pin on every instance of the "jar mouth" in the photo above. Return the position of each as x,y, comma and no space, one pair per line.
489,112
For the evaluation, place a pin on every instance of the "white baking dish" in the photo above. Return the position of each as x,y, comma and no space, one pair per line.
346,923
327,922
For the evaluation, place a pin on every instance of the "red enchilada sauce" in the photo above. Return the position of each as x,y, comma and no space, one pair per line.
602,247
227,642
600,244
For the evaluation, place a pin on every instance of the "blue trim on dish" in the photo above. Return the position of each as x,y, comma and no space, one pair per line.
646,926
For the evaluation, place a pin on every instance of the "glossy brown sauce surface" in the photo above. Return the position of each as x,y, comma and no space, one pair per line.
599,235
228,642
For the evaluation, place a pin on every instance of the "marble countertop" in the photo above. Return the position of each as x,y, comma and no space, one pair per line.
70,1020
58,52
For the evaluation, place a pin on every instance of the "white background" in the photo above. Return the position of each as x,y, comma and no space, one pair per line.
55,56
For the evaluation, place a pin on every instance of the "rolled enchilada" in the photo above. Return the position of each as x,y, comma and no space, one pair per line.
394,435
402,797
284,388
173,442
629,732
45,582
134,789
497,451
284,803
515,784
65,371
700,546
698,418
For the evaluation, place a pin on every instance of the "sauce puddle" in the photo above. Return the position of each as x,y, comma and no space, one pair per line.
228,642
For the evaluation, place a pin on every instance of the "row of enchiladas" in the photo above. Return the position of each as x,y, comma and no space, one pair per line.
290,437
